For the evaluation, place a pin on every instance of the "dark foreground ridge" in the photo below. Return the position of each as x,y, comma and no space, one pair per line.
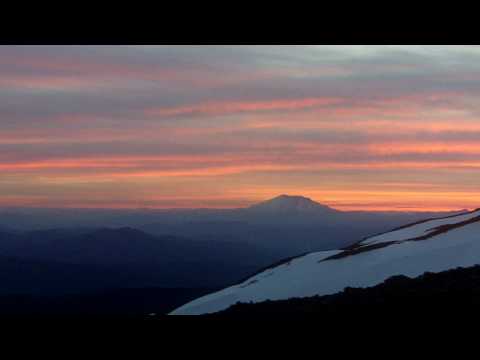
123,304
434,295
446,292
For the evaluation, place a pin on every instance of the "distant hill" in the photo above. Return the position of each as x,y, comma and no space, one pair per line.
124,246
19,276
138,258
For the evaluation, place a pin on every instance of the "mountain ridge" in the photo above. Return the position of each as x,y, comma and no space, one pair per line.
447,243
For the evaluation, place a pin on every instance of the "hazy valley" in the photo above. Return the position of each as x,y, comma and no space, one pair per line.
180,251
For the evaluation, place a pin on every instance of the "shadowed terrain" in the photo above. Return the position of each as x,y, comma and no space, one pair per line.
452,290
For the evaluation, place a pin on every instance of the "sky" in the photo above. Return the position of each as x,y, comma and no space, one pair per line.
353,127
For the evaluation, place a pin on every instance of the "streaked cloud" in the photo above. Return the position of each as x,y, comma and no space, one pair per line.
358,127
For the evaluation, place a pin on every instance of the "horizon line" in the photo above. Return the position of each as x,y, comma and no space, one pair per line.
156,208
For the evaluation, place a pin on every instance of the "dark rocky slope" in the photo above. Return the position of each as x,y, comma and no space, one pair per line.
442,293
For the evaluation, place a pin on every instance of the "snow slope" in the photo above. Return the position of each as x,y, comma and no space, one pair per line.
419,229
411,251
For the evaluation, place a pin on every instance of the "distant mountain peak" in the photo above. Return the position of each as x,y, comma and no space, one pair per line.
290,203
287,197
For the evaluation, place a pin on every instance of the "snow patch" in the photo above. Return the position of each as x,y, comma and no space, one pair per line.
308,275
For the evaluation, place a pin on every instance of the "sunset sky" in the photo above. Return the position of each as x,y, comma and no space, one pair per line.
353,127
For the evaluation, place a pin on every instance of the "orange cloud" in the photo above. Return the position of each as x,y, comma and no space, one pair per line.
425,148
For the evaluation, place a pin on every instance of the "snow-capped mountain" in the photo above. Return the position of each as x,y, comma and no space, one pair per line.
432,245
290,204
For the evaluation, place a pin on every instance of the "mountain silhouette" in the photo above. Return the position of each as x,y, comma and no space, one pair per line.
291,204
